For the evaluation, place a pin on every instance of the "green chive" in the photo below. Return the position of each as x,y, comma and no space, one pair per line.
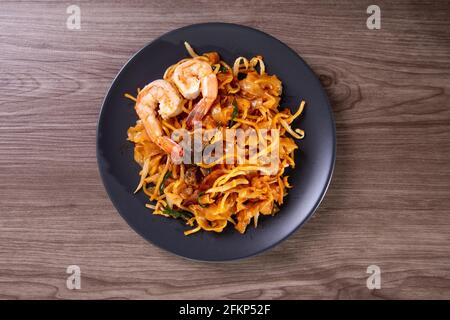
177,214
233,115
223,69
166,176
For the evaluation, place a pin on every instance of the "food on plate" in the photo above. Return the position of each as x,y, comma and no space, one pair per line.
213,142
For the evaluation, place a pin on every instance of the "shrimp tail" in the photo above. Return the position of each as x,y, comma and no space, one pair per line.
197,114
171,147
209,92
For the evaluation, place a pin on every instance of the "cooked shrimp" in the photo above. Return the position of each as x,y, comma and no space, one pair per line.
193,77
159,93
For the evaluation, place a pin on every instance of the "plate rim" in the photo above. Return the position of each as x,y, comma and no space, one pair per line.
333,151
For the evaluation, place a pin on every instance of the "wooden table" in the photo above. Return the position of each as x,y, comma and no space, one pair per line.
388,204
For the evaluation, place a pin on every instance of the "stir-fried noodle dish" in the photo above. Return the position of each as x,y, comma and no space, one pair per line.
213,142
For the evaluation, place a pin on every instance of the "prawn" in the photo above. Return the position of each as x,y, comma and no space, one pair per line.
193,77
159,93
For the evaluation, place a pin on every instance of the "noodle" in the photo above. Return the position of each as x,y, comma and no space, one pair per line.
236,187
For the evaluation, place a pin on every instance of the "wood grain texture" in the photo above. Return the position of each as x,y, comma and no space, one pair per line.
388,203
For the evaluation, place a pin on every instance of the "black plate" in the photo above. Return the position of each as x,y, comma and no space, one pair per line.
315,159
